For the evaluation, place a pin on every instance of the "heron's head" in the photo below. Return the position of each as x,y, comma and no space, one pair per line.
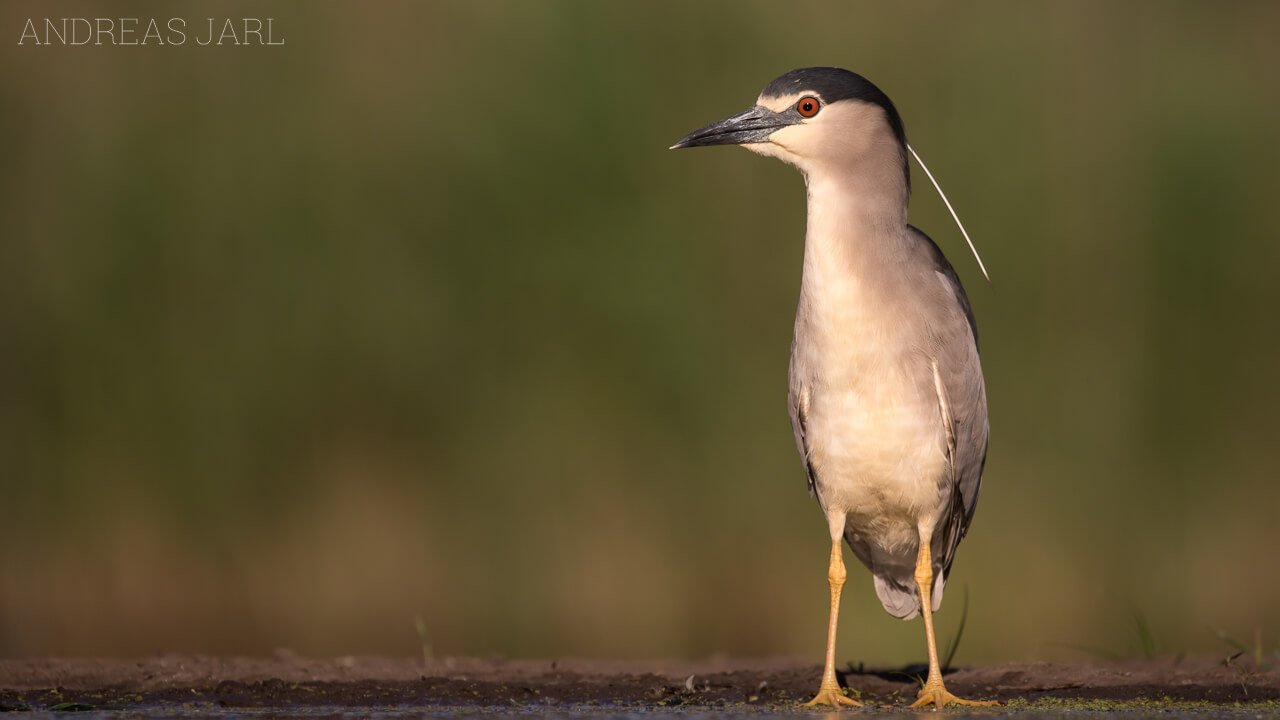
817,119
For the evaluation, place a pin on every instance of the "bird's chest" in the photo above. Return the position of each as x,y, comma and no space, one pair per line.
872,421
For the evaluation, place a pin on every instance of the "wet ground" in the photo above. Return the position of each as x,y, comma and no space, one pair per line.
461,687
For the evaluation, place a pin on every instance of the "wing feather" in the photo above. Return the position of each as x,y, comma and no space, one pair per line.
798,404
963,407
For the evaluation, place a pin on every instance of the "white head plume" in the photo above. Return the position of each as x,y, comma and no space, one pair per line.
943,195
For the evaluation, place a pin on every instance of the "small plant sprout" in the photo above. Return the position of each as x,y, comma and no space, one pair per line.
421,626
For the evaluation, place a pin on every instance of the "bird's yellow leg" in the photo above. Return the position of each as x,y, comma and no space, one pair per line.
829,693
934,692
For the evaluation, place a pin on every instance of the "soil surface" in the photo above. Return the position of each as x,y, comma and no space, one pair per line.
287,680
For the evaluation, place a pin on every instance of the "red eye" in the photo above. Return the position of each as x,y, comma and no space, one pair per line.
808,107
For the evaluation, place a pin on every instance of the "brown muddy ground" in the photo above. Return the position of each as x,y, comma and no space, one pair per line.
287,680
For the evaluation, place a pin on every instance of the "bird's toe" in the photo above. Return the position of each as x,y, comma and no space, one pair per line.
832,695
938,696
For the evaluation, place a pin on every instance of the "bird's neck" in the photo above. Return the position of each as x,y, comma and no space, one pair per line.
857,226
855,258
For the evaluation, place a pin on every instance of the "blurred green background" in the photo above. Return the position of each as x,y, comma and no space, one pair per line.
416,316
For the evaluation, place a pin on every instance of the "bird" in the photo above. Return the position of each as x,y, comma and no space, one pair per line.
885,387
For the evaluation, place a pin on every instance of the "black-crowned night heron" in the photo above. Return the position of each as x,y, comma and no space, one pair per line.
886,392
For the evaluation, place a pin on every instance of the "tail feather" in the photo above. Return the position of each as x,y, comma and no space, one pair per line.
901,600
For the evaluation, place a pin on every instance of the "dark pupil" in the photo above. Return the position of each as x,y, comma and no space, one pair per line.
807,107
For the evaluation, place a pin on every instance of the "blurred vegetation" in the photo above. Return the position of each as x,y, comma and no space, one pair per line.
416,316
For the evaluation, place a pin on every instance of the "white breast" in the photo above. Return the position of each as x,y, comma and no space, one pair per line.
873,425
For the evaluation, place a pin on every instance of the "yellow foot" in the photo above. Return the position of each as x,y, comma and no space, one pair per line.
938,696
831,695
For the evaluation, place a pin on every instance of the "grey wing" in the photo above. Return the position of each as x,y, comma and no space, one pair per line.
967,448
963,395
798,404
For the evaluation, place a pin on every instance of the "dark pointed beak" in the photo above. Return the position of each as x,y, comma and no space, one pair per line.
752,126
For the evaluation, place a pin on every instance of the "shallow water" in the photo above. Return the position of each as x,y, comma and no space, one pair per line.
597,712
